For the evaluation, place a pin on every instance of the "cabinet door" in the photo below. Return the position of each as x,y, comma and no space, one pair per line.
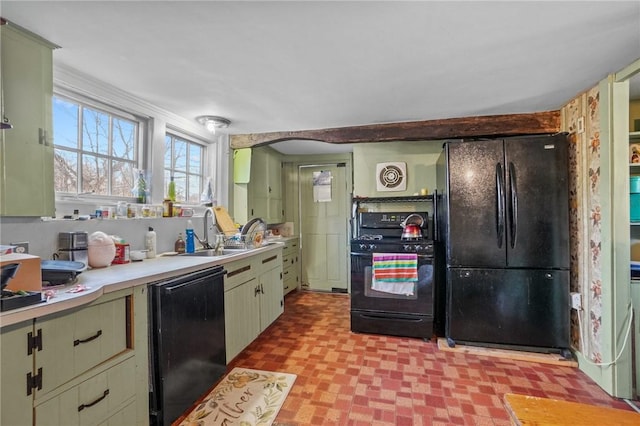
242,324
271,292
265,186
26,178
16,365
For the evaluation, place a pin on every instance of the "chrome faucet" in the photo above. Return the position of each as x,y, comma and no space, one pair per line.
208,212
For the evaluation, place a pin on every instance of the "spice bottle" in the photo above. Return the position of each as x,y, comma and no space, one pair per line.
167,208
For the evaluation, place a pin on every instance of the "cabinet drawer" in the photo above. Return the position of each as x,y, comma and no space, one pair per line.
92,401
126,416
74,343
238,273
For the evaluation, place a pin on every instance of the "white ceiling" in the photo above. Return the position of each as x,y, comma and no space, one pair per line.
279,66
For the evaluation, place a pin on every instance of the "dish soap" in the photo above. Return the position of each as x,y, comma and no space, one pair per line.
150,243
171,192
179,246
191,244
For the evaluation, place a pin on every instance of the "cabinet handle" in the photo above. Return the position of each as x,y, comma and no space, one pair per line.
238,271
91,404
88,339
269,259
261,289
256,291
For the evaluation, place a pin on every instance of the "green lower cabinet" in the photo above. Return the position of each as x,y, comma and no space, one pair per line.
253,299
83,366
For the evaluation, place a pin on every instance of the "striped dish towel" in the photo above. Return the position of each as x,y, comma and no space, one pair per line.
395,273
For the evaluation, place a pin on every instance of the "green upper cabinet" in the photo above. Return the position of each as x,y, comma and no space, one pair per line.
263,191
26,166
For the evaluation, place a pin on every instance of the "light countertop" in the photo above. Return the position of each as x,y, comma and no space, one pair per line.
98,282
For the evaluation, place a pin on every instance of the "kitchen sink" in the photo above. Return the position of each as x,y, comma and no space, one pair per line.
212,253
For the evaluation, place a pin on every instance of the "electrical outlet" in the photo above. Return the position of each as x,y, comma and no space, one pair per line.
22,248
576,301
580,125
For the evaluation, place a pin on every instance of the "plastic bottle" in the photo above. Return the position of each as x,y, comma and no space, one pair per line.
171,192
150,243
179,246
141,197
191,243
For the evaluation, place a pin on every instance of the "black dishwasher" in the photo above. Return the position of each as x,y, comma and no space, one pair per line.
186,341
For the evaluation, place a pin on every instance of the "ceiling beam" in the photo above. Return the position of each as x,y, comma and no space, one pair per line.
466,127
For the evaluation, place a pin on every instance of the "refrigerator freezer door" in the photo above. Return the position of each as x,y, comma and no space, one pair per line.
475,204
508,307
537,207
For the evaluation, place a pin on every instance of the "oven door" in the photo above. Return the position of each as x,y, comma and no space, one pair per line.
365,298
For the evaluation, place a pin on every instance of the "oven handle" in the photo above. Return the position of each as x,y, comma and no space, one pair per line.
370,255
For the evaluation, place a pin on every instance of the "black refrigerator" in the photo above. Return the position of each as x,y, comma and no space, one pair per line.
504,242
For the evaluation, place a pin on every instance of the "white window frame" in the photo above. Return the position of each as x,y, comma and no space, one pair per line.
140,155
204,162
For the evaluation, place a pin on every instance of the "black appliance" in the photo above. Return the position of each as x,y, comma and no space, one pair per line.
187,341
504,220
381,312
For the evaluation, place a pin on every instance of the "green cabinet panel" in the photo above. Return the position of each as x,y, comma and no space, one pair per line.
26,163
16,365
241,307
242,165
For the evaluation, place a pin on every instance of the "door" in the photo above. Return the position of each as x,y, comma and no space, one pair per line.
324,228
475,222
537,219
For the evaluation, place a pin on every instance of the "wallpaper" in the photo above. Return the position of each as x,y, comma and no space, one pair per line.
585,219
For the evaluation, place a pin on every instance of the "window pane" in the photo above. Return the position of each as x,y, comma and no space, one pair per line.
122,178
195,159
194,189
124,139
94,175
95,131
181,185
180,154
167,152
65,173
65,123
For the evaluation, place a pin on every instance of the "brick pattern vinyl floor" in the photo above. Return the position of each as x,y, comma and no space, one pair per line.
347,378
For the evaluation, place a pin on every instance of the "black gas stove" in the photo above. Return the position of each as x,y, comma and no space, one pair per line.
384,309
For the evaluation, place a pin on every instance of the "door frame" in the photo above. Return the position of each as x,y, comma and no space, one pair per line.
348,196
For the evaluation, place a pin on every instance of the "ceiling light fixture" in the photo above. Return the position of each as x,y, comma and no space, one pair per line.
213,122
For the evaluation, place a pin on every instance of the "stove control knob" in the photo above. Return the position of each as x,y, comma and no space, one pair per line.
418,248
372,246
363,246
406,247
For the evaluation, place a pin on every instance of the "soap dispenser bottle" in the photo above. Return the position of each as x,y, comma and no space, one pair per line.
150,243
190,244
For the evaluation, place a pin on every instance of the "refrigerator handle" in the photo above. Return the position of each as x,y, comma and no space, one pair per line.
436,231
513,211
500,204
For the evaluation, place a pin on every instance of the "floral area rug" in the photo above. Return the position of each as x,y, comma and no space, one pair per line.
244,397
